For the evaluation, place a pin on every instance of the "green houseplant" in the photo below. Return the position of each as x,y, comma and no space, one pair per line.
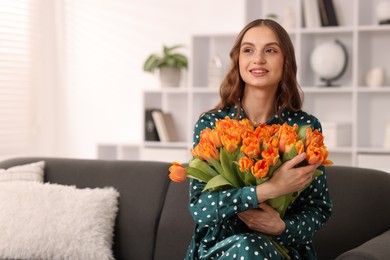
169,64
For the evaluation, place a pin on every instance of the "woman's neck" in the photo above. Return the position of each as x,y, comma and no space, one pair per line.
258,105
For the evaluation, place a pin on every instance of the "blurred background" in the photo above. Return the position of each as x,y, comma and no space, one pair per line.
71,70
72,82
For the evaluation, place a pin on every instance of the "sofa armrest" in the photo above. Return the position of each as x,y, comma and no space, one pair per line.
374,249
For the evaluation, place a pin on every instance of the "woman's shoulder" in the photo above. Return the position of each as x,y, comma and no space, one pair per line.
300,118
208,119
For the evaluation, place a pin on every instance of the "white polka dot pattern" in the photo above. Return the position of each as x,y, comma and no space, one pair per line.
219,234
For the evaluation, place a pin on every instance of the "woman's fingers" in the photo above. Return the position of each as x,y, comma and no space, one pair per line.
294,161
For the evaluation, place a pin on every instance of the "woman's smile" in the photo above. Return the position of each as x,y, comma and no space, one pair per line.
258,72
261,58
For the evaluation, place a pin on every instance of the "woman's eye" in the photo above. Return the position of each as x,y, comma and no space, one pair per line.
270,50
247,50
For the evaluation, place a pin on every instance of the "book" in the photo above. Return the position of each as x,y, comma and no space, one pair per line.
327,13
311,13
165,126
150,127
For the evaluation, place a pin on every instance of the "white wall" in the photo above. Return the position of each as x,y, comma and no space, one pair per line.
105,44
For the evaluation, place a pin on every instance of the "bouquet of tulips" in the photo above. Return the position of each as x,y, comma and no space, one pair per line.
236,154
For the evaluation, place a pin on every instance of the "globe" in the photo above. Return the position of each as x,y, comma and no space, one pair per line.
329,61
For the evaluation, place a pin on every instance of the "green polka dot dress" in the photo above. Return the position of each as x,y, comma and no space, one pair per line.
219,234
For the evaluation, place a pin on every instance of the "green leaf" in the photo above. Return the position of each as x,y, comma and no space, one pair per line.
272,169
281,203
217,165
291,154
151,63
249,179
261,180
317,173
216,182
197,174
202,166
302,132
169,58
228,170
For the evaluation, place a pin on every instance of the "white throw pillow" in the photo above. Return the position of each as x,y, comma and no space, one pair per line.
27,172
51,221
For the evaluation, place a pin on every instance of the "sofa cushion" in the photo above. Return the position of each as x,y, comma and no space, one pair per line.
51,221
374,249
361,211
142,186
176,224
27,172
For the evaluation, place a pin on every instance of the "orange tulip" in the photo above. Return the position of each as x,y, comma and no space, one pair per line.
250,147
245,164
247,125
287,135
213,136
270,154
272,141
317,154
313,137
262,131
230,142
235,132
273,129
177,172
299,147
260,169
225,124
206,150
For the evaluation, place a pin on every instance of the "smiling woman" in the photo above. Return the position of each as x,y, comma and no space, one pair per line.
238,223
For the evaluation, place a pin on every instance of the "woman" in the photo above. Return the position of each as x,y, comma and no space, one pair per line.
261,85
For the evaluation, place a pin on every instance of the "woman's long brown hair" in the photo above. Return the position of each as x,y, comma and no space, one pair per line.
288,95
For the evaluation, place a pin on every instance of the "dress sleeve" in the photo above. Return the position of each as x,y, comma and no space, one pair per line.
309,211
210,208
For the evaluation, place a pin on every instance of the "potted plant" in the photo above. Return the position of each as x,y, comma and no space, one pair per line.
169,65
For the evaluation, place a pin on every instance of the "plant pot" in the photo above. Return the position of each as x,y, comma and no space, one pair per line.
170,77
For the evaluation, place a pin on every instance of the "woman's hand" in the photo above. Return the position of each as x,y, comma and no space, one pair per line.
286,179
265,219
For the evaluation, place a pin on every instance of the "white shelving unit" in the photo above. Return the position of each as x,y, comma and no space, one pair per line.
366,109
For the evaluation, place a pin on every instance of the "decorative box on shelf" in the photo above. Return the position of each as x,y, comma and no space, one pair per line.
337,134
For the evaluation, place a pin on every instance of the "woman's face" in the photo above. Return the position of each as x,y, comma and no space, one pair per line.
261,58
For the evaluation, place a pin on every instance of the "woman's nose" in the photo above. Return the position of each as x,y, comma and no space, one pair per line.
259,58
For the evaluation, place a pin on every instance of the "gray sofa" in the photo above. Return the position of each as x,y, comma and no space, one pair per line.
153,221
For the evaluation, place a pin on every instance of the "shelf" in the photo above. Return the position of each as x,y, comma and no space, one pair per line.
365,108
374,150
328,30
346,150
327,90
153,144
205,90
381,89
168,90
374,28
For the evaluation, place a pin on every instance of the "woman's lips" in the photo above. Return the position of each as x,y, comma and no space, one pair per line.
258,72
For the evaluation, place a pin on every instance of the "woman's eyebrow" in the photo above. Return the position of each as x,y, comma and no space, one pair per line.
267,44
